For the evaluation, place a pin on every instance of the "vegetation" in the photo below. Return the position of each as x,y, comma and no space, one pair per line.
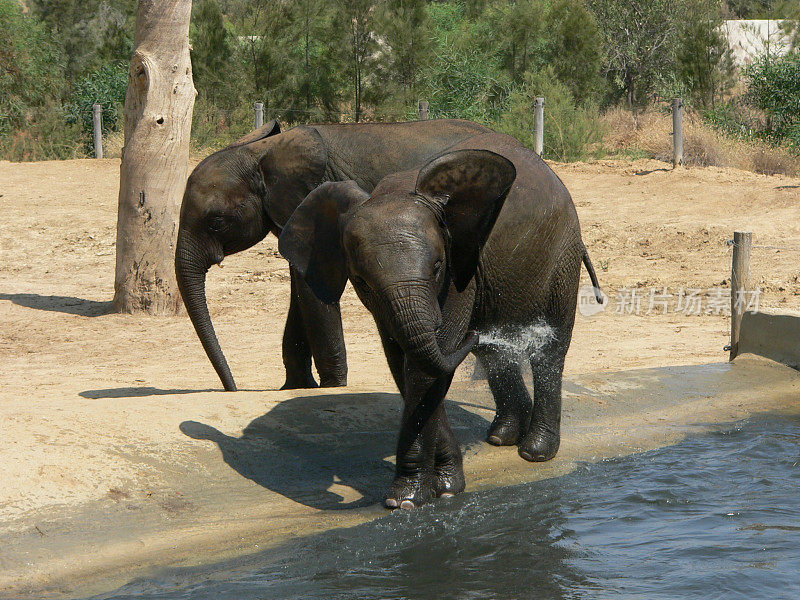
353,60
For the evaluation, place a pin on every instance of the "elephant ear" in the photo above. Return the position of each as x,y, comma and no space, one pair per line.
471,186
292,164
268,130
311,239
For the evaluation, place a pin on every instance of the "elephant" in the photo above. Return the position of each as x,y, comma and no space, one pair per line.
237,196
479,251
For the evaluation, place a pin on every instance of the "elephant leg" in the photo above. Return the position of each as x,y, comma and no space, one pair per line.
511,397
449,464
323,330
544,433
296,351
417,479
547,365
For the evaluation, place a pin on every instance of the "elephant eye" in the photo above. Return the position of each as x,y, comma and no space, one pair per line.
217,223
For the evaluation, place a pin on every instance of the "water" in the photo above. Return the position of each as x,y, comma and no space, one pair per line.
716,516
519,342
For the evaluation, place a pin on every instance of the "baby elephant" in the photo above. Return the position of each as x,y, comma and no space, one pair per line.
484,238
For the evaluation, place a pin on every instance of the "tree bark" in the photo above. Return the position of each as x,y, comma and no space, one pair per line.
155,160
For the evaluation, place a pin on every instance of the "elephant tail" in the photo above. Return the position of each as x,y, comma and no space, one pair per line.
598,295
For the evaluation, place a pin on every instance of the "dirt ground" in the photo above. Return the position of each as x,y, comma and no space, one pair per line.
647,228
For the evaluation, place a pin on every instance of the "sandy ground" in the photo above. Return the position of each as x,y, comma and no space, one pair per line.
646,227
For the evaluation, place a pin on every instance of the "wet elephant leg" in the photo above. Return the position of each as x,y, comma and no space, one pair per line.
296,351
323,331
544,433
448,462
417,479
511,397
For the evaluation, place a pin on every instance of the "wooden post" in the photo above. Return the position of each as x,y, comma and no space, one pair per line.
538,126
677,132
423,110
155,160
259,115
98,131
740,282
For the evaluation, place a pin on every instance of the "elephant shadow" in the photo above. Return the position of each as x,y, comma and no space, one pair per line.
311,449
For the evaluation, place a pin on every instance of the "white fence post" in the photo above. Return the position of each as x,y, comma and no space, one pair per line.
677,132
98,131
259,115
538,126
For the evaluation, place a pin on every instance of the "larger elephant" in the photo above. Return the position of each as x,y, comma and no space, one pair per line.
484,238
237,196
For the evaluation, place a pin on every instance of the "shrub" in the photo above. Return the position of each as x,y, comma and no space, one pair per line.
774,87
30,67
570,129
46,135
106,86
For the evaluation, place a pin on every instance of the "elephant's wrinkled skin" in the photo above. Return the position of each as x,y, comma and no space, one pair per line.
236,196
484,238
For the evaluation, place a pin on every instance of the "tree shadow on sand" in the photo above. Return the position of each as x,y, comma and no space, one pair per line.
305,445
63,304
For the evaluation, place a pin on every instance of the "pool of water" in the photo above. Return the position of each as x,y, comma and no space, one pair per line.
715,516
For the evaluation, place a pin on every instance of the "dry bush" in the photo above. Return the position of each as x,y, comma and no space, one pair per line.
113,143
774,161
650,133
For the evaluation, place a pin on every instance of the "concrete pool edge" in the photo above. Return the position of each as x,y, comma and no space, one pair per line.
606,415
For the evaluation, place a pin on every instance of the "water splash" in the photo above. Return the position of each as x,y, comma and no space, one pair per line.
519,342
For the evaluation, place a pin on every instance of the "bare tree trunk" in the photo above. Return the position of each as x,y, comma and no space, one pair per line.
155,160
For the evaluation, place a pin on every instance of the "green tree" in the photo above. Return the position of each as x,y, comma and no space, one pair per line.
704,63
405,28
211,52
316,59
641,40
262,50
90,32
574,48
357,20
31,67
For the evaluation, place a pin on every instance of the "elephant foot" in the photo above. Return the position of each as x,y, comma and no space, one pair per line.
506,429
329,382
539,445
293,383
411,492
450,480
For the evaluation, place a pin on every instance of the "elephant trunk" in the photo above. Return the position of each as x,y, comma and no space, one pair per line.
414,319
192,262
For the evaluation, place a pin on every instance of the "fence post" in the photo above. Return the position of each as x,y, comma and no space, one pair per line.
538,126
740,283
259,115
677,132
423,110
98,131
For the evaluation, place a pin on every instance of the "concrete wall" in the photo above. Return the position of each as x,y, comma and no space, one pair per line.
749,39
772,334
